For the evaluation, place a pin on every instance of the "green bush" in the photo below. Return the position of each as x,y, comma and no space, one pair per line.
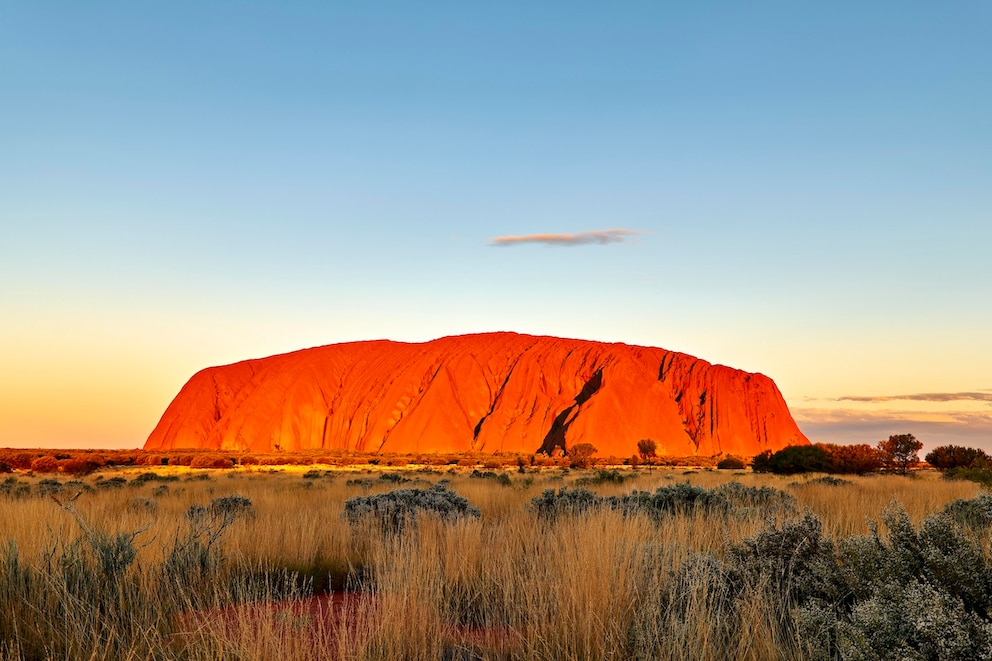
799,459
13,487
605,476
110,483
982,476
499,478
826,480
394,478
155,477
48,487
731,463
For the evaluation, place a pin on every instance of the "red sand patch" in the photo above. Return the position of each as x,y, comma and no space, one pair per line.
325,626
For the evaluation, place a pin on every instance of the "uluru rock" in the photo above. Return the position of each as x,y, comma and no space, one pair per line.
491,392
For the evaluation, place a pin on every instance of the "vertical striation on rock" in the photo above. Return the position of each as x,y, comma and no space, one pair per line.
491,392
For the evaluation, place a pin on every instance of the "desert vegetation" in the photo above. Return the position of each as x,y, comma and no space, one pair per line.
519,563
84,462
897,454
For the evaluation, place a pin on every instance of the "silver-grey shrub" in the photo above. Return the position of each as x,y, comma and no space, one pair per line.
731,498
914,593
976,512
551,504
400,507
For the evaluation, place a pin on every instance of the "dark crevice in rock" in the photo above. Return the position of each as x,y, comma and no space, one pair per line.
590,388
495,402
556,435
217,414
664,369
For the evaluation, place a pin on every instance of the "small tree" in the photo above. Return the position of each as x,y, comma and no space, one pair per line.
581,454
900,452
647,448
799,459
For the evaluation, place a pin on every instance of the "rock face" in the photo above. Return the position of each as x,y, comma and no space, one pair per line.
493,392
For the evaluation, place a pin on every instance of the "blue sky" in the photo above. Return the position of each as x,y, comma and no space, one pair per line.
191,184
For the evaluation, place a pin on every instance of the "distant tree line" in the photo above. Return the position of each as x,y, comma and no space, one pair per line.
898,454
820,458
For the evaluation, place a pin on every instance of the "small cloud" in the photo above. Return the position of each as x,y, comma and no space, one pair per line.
600,237
979,396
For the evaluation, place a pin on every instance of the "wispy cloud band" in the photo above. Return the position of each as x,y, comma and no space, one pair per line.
980,396
826,416
600,237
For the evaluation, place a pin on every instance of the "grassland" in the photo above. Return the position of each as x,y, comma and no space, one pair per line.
176,564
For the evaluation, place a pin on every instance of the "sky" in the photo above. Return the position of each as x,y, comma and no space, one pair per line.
798,189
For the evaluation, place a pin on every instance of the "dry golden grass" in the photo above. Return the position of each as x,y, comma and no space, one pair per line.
507,585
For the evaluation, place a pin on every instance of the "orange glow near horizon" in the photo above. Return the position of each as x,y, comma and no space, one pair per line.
77,414
111,395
